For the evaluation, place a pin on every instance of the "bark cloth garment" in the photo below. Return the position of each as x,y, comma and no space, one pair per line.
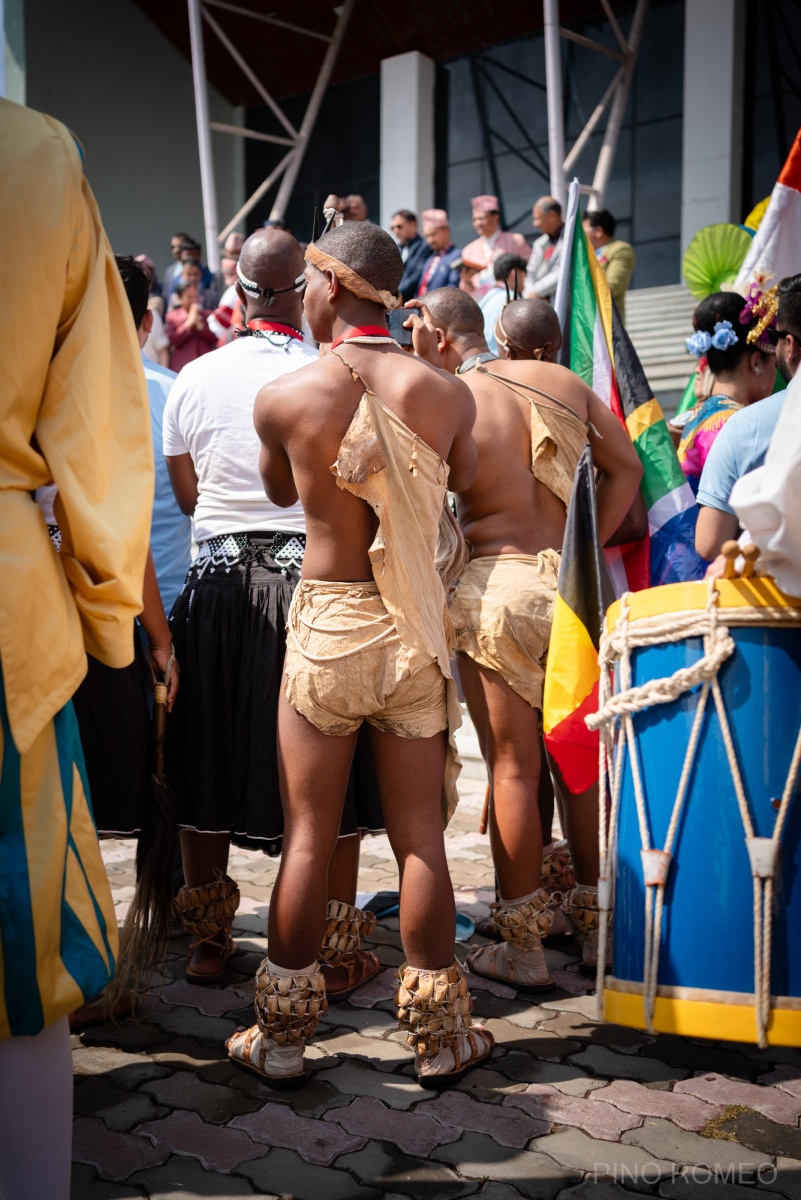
503,606
380,652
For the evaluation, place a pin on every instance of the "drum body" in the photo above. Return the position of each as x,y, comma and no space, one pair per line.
706,965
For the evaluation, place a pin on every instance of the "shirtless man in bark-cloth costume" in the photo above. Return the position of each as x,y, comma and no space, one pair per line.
533,419
368,440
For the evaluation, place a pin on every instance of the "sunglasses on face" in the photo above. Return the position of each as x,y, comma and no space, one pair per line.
774,336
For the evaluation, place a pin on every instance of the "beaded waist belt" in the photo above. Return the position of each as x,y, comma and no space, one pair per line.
234,549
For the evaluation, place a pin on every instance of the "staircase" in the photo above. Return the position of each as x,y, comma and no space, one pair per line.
658,321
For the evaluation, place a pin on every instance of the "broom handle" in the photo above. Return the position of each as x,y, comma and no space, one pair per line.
159,726
482,825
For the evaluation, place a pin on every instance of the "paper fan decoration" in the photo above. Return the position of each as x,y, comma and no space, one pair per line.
756,214
713,258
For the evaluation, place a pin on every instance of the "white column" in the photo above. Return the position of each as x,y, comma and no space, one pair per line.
713,114
407,134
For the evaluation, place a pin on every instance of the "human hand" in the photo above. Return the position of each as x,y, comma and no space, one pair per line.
424,332
716,568
164,663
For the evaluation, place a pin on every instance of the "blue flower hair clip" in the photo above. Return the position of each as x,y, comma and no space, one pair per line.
724,336
698,343
701,342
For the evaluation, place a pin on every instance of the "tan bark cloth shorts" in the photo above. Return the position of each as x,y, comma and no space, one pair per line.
503,612
345,664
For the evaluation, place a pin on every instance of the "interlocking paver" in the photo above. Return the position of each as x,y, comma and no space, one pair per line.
87,1185
378,989
114,1156
570,1025
218,1149
209,1001
104,1060
543,1044
550,1107
566,1077
185,1179
602,1060
778,1105
666,1140
785,1077
414,1132
185,1089
315,1141
478,1156
117,1107
356,1079
688,1112
383,1166
285,1173
462,1112
378,1050
574,1148
787,1181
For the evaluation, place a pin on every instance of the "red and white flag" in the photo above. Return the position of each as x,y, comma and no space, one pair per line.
775,251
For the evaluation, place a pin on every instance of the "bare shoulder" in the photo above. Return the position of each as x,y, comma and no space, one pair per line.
278,400
558,381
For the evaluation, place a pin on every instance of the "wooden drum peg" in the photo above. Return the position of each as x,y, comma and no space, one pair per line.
730,551
750,554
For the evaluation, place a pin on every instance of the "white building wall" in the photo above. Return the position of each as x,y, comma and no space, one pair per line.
407,134
107,72
714,34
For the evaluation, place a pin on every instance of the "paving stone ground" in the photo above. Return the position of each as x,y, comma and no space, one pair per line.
567,1109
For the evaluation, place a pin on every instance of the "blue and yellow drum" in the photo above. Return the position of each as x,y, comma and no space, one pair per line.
703,862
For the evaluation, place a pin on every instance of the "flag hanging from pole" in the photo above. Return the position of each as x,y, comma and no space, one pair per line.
583,595
599,350
775,251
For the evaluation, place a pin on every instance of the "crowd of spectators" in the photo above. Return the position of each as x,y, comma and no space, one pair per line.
195,311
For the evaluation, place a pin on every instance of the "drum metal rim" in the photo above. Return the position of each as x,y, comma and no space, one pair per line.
758,592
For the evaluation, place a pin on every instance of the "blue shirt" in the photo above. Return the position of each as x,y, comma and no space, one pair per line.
492,304
171,530
740,447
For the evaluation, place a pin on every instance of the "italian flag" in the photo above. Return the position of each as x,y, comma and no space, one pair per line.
598,349
775,251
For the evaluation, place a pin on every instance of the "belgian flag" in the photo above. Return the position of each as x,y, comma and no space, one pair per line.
571,677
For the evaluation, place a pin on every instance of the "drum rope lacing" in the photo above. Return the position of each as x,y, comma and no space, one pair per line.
763,853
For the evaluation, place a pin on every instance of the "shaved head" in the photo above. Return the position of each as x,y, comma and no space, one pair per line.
368,250
530,326
455,312
271,258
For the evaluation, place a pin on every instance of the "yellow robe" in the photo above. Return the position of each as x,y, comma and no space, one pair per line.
74,412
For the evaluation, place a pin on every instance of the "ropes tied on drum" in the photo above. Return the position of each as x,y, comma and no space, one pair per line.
614,719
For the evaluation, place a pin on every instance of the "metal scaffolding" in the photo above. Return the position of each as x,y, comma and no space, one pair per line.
296,140
614,98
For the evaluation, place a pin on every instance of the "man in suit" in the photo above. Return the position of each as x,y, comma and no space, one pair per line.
414,251
440,269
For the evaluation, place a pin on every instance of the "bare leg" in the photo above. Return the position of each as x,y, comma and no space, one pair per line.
545,799
410,773
580,817
508,733
314,770
203,855
343,869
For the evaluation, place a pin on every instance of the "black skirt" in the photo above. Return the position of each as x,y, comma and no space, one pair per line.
229,632
111,705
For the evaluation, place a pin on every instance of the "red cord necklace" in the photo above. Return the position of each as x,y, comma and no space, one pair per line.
361,333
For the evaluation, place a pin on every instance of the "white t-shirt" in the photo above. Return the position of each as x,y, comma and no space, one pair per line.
209,415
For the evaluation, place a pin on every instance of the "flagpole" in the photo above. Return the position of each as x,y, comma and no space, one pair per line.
553,86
